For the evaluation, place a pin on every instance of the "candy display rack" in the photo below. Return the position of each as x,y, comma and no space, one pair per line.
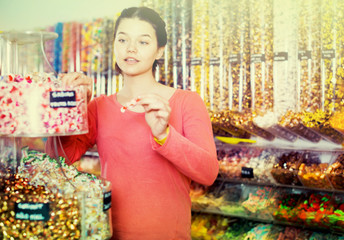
278,185
35,189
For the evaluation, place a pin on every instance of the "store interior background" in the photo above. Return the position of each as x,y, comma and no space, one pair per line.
235,195
20,15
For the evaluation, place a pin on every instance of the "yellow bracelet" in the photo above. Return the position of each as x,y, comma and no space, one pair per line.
162,141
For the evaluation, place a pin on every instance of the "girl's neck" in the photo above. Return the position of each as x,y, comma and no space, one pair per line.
138,85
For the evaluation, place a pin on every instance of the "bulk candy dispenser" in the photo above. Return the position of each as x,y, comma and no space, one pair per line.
331,112
42,197
308,75
284,69
261,78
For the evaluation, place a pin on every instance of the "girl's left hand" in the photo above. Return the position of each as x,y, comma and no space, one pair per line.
157,114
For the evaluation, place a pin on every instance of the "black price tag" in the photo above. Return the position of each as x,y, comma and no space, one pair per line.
65,99
257,58
280,56
304,55
246,172
32,211
214,61
196,61
234,58
107,201
328,53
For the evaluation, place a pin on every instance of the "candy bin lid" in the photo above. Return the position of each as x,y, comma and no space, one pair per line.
269,122
292,121
320,121
36,104
244,120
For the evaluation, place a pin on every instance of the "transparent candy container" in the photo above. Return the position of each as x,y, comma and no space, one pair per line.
285,15
35,104
58,177
97,220
261,63
331,71
33,212
238,96
216,52
200,48
261,50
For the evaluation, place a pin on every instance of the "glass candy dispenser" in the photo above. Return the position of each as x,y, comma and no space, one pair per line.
317,116
332,56
284,68
308,74
42,197
261,78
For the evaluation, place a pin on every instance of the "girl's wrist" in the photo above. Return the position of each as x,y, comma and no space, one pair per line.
161,140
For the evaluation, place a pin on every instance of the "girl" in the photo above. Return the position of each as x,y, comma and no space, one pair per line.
151,150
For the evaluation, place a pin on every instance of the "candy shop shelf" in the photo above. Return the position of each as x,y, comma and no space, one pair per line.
313,170
295,206
299,144
272,166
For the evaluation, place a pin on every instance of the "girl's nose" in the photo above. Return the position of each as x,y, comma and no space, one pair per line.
131,47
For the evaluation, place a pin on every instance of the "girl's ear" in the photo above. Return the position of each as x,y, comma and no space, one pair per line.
160,53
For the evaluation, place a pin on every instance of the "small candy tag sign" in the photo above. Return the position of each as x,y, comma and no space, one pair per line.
246,172
66,99
32,211
107,201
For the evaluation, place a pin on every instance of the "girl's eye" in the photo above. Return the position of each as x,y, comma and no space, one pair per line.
121,40
143,42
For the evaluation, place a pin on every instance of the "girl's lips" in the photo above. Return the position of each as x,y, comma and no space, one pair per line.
131,60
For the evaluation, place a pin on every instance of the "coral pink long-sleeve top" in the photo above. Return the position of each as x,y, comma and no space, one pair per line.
150,182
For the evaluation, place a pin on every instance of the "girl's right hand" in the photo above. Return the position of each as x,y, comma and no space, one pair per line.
75,79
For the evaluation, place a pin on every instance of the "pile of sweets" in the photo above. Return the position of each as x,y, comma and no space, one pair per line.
286,168
64,212
312,172
315,209
57,176
239,229
260,202
233,163
261,231
208,227
286,209
203,197
319,121
335,172
230,194
37,105
212,227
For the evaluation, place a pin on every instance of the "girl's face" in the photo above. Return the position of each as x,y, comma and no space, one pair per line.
136,47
